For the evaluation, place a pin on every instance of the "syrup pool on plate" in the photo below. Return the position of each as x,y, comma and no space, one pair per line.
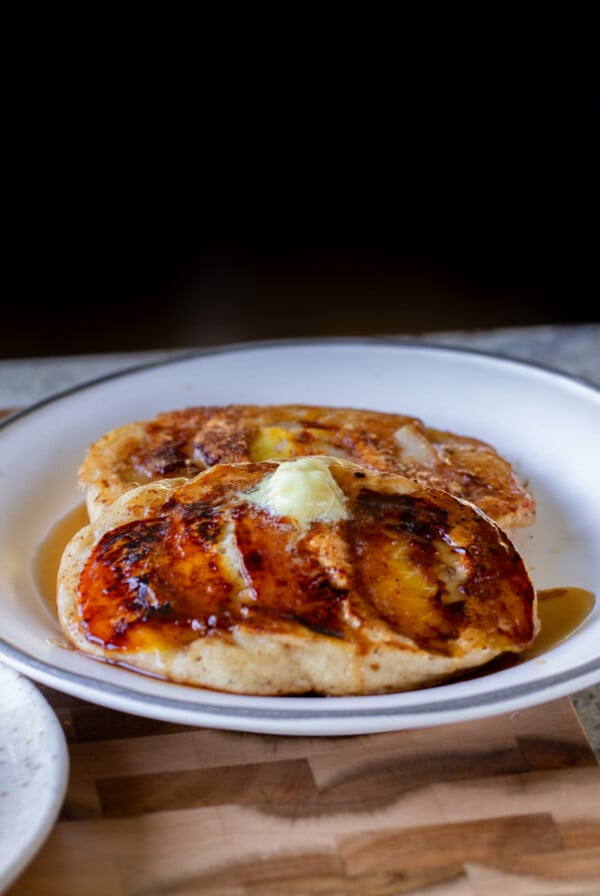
561,612
49,552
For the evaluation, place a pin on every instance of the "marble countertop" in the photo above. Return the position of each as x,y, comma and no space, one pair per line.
572,349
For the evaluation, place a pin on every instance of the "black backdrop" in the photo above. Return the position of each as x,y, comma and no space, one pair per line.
468,199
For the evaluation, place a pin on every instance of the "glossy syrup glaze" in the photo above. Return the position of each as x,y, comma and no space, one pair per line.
561,610
401,561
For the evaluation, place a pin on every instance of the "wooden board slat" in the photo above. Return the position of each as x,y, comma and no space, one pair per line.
506,804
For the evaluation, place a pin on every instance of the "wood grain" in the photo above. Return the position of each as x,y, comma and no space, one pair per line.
507,804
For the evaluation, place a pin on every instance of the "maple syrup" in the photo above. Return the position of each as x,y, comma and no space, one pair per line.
49,552
561,612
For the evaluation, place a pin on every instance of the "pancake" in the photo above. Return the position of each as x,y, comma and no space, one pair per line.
308,576
183,442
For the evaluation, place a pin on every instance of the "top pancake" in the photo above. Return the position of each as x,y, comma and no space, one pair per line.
282,577
183,442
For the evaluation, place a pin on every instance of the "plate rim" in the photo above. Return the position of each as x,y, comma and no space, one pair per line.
512,695
227,348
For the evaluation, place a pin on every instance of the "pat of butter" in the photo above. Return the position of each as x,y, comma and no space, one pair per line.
303,489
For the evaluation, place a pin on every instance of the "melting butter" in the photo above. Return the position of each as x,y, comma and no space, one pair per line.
303,489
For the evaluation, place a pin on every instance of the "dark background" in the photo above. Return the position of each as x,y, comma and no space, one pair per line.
397,204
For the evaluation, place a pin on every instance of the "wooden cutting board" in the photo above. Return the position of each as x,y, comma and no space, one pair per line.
506,805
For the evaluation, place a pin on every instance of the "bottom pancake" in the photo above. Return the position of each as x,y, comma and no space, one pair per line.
312,575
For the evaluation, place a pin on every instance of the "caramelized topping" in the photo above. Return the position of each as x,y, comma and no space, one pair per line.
408,561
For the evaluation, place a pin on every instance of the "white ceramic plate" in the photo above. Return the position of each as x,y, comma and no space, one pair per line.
545,423
34,766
